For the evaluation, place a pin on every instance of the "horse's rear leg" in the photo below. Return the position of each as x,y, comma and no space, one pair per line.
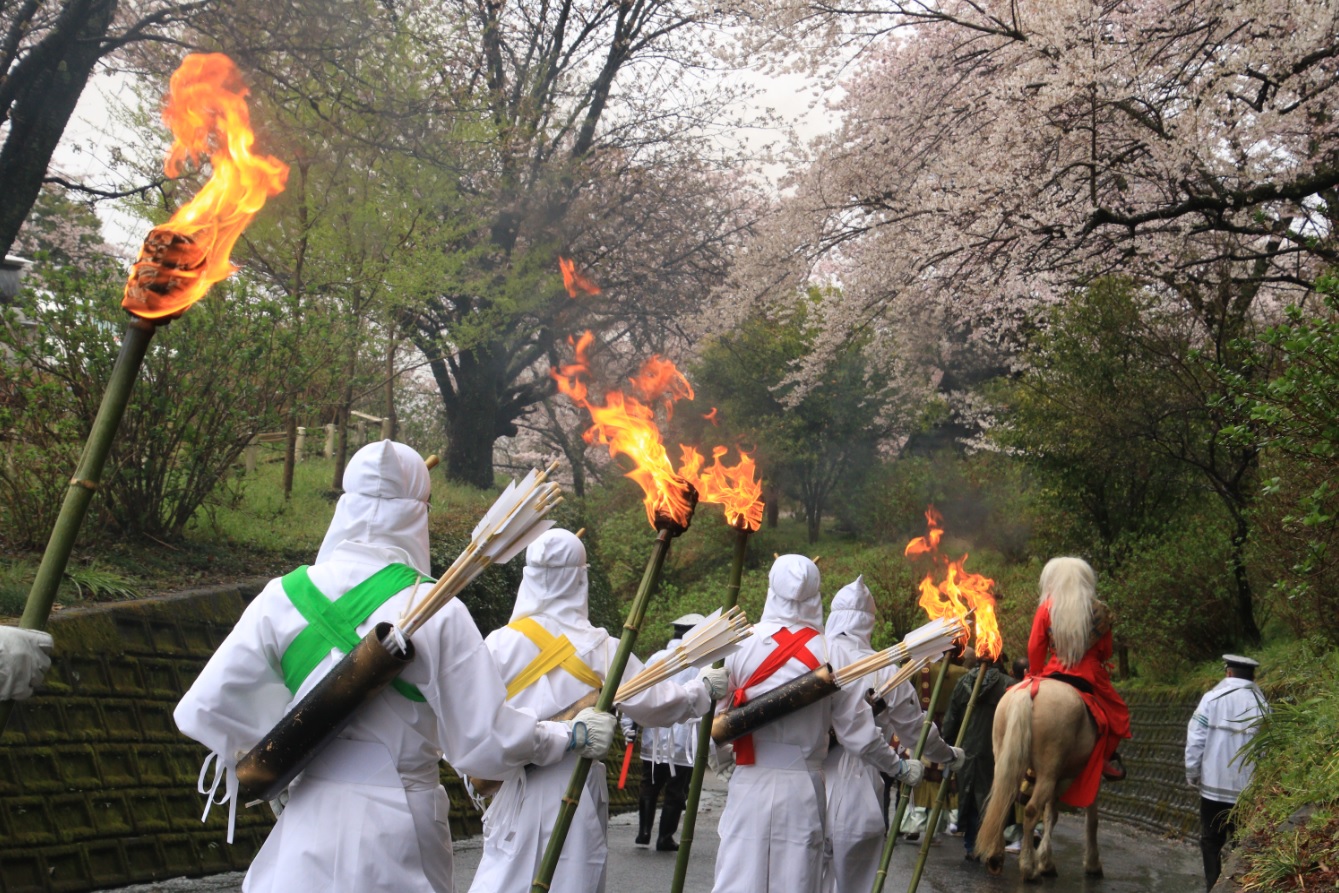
1038,804
1045,855
1092,861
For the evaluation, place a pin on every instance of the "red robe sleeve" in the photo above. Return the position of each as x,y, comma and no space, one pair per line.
1038,642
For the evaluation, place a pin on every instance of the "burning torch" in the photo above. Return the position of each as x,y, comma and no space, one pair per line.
178,262
626,425
959,593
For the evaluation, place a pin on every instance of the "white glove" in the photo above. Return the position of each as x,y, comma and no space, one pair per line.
959,757
592,732
910,773
23,661
721,760
716,681
278,803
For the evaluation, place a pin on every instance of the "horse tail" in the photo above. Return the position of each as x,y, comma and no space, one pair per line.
1012,755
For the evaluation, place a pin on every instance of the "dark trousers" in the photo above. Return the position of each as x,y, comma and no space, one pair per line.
1216,830
655,777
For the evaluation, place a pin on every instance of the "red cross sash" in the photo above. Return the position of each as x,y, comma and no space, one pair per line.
788,644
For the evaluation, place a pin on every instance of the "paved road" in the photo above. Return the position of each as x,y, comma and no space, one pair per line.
1135,862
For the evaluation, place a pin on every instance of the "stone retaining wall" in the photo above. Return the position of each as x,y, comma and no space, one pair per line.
97,786
1154,796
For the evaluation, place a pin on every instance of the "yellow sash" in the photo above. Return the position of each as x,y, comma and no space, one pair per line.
553,652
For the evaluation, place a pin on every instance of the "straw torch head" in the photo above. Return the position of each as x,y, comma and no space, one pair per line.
207,113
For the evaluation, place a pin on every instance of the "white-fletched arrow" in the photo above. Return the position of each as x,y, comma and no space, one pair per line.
928,641
904,672
717,636
513,522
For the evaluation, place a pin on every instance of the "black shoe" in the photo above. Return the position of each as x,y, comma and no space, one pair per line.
1114,769
666,845
642,839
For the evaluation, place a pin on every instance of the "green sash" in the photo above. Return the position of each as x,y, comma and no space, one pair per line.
335,624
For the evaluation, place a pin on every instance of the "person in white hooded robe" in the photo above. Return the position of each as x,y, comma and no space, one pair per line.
855,819
551,657
667,756
772,829
369,812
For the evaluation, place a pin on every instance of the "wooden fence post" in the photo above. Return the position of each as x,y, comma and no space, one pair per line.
300,445
330,441
251,452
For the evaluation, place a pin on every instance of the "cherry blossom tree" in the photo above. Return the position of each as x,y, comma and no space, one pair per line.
996,156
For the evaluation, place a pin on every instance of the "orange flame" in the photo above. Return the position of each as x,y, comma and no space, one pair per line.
736,488
626,425
207,113
574,281
711,417
959,592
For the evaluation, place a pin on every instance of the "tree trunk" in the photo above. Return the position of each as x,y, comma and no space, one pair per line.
813,522
472,418
394,422
43,104
290,452
469,450
1245,598
342,441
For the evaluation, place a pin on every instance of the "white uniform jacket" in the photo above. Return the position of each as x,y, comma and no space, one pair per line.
1223,723
673,745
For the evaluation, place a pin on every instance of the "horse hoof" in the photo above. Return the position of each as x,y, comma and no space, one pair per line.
1049,871
1093,872
995,865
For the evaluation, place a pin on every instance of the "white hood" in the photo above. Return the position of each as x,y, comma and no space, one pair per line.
555,587
852,612
385,503
792,593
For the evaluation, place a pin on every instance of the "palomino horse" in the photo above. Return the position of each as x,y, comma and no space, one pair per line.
1054,737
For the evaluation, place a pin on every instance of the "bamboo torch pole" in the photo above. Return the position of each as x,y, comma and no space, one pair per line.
943,785
704,729
904,794
605,703
84,483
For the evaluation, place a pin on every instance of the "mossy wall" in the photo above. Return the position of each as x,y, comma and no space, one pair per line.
1154,795
97,786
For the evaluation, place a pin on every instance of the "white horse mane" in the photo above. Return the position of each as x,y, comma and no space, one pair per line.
1071,586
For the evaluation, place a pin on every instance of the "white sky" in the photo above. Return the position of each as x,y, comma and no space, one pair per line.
86,153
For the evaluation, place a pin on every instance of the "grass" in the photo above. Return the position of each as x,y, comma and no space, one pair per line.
1289,816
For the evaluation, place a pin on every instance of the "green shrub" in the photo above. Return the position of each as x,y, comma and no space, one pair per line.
1290,812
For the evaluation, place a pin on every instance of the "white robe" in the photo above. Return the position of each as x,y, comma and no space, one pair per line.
520,819
370,813
772,828
855,811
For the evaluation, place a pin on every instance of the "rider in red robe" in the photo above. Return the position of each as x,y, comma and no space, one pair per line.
1092,679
